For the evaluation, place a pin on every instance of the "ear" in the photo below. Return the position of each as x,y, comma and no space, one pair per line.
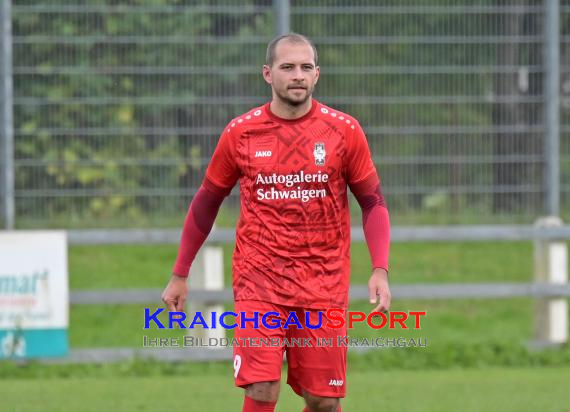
266,71
318,73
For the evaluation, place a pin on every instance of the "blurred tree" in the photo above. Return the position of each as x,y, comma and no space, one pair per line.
516,115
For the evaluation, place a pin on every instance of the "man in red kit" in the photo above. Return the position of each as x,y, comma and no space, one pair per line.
294,159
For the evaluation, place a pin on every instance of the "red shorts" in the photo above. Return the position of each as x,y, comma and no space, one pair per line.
313,367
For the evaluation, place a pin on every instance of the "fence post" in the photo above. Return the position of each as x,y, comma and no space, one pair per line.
207,273
282,16
552,106
550,266
6,117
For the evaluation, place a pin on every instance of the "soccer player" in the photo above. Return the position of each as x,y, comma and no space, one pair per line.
294,159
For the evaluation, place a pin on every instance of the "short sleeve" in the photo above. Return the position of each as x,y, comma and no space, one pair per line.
223,169
359,164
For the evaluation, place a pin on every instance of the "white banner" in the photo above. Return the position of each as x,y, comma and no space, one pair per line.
33,280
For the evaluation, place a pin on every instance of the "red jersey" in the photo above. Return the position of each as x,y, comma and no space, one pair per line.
293,235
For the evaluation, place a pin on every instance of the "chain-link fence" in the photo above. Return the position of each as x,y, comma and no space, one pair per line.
118,105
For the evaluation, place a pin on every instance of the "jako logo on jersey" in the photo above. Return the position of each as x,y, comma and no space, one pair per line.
336,382
263,153
319,154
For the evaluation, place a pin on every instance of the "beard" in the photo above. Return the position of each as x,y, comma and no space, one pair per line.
286,97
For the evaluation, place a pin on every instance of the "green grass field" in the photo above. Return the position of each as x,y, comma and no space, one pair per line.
466,390
476,358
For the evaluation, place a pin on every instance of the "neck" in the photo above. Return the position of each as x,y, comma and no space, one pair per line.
286,111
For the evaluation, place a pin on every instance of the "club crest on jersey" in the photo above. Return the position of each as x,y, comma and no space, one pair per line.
320,154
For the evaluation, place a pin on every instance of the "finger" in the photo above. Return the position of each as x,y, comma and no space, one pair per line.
383,307
372,293
180,304
388,302
171,304
384,304
375,311
386,299
380,308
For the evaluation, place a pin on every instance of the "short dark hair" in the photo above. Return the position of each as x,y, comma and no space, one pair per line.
290,37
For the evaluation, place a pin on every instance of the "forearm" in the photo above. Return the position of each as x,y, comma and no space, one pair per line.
375,220
376,225
198,224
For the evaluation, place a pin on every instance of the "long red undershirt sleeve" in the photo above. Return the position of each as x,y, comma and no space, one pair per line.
198,224
375,220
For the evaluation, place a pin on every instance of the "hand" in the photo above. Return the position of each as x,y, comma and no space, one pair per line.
174,295
378,287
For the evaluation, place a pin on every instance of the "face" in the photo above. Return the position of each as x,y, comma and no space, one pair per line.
293,75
